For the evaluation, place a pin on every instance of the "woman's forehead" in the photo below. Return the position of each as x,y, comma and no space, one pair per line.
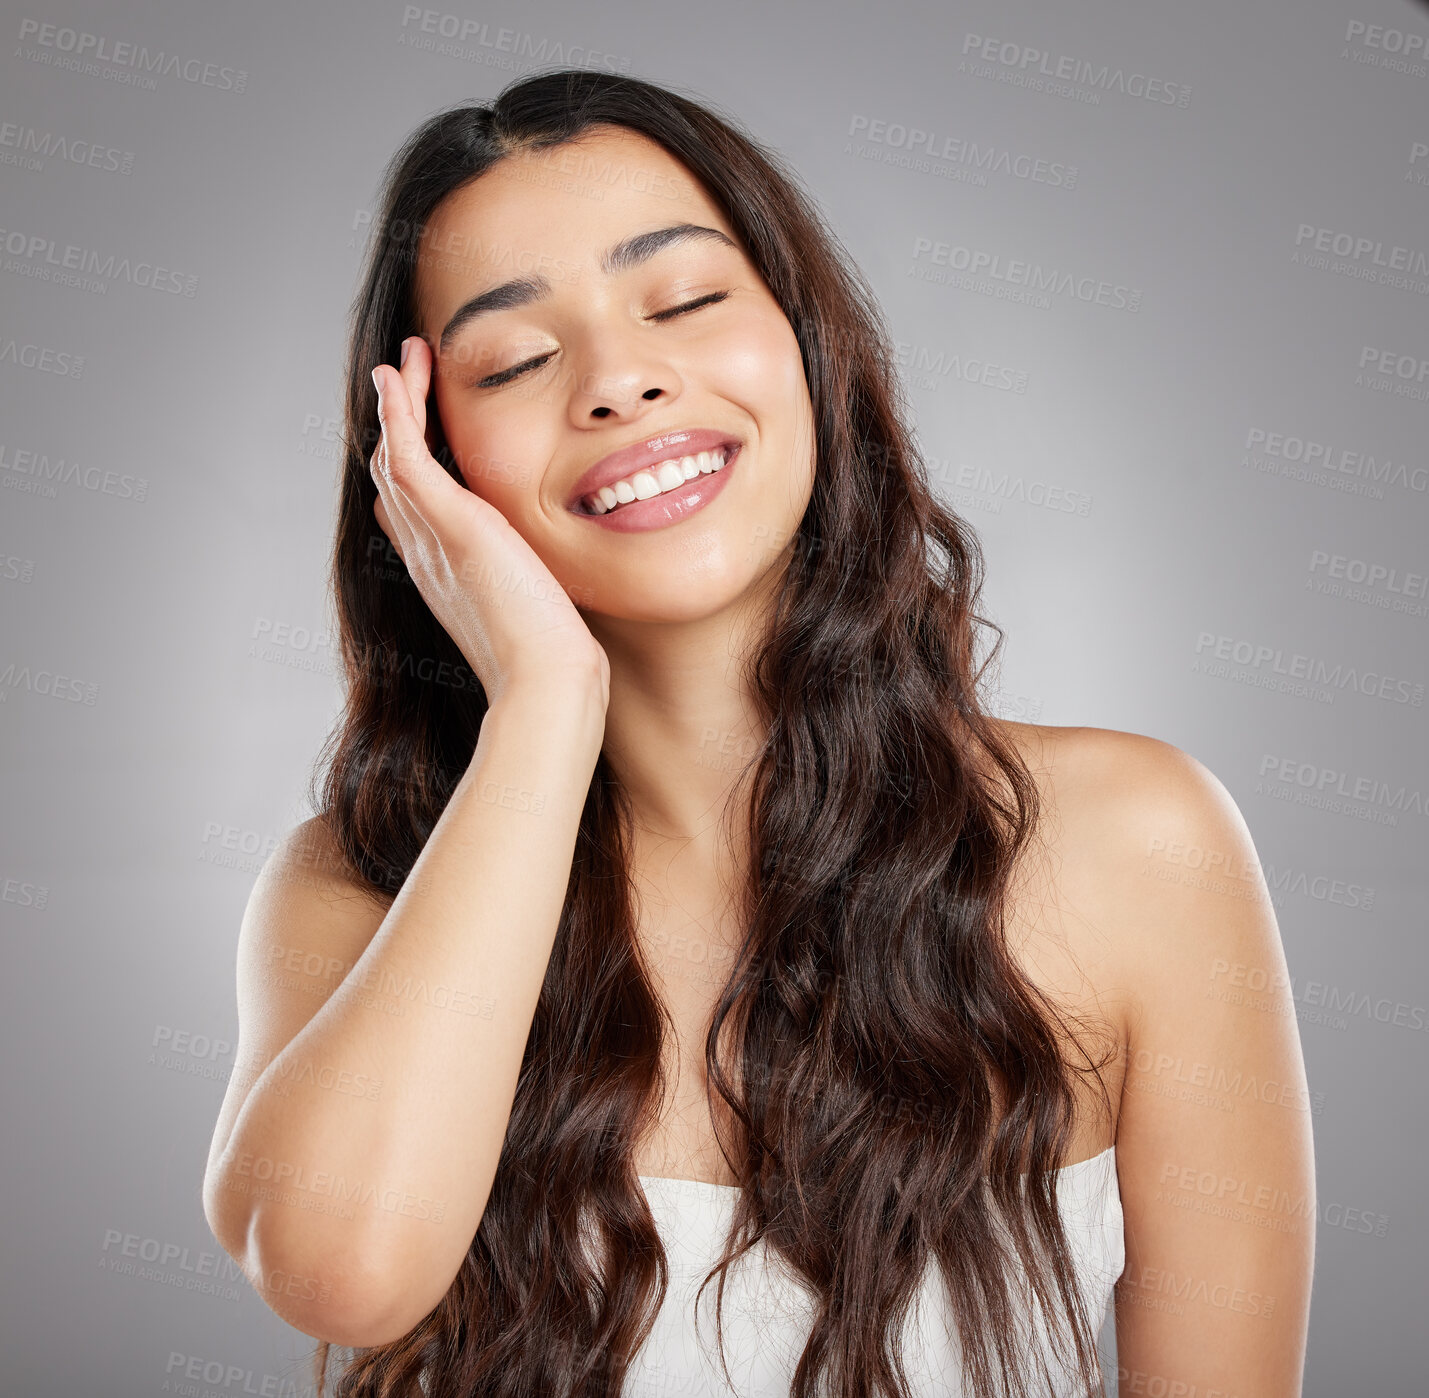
552,213
575,189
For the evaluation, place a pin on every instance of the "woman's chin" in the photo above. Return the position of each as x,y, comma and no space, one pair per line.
666,597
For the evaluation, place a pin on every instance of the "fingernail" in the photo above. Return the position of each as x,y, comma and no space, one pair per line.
405,346
377,382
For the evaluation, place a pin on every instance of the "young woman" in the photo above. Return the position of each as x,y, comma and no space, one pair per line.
675,910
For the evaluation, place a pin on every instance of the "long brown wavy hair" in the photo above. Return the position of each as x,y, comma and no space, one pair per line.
900,1095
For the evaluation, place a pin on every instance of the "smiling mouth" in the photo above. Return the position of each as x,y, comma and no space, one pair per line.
663,478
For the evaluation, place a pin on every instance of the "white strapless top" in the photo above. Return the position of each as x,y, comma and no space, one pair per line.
768,1311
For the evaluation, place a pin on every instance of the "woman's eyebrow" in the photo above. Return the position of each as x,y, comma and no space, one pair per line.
627,253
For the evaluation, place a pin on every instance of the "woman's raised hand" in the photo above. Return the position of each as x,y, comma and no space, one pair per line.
508,615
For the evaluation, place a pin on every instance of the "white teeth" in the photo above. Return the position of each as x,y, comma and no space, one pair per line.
646,484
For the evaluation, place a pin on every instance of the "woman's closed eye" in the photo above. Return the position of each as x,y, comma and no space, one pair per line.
506,375
690,306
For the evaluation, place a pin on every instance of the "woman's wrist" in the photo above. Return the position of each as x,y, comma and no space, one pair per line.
565,704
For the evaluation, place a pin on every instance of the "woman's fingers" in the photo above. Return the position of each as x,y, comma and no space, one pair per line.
403,456
402,401
401,518
403,444
418,505
478,576
416,373
402,459
385,523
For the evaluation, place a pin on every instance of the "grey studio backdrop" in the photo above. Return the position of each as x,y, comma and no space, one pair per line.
1159,276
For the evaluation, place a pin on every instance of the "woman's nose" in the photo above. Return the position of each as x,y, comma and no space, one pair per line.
606,407
620,376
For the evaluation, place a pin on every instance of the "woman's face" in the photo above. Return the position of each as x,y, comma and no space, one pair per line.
607,368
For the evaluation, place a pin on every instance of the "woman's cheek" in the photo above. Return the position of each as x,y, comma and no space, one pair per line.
500,466
762,362
473,457
468,459
746,362
489,474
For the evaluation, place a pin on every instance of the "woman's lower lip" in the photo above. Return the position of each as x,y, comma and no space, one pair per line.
669,508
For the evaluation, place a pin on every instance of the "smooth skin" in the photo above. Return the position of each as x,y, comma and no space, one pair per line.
588,641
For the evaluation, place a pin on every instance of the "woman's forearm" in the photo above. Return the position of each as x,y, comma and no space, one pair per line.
380,1192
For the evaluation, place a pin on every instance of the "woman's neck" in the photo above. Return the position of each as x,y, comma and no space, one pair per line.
680,725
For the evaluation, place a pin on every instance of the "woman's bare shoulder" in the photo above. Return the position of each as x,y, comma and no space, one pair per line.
1079,751
1139,848
1102,786
1156,879
308,873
